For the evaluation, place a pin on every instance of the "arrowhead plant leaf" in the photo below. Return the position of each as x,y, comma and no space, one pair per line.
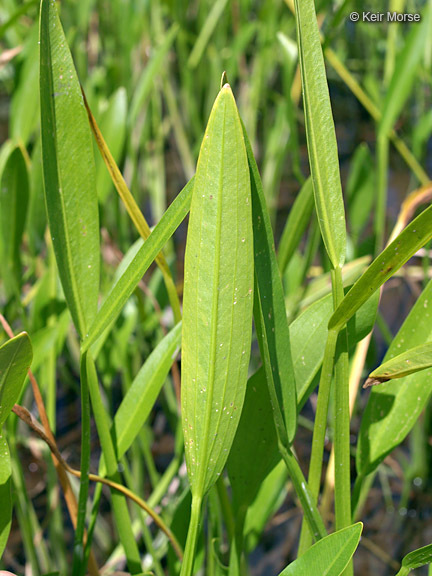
217,304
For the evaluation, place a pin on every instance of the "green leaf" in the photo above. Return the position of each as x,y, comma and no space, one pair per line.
308,336
69,172
415,559
298,219
113,127
217,304
24,114
129,280
146,82
5,493
269,311
405,71
254,452
394,407
411,361
268,501
413,237
360,190
15,359
329,556
14,194
144,390
207,30
320,133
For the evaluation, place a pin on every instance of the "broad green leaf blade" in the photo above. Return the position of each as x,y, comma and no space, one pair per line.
127,283
360,191
254,452
269,311
14,195
393,407
417,558
413,237
320,133
405,72
69,172
298,219
15,359
5,492
141,396
411,361
329,556
218,296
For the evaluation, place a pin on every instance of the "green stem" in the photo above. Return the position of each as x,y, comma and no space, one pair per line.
304,494
121,513
320,426
192,537
341,417
380,215
226,507
79,559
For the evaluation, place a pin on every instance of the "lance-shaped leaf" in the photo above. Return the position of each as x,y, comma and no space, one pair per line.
14,194
142,394
69,172
329,556
413,360
415,559
15,359
269,311
320,133
141,262
218,296
413,237
393,407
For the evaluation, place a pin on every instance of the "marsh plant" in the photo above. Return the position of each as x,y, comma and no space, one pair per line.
100,308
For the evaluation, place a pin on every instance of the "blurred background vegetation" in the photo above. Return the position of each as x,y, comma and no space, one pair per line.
151,70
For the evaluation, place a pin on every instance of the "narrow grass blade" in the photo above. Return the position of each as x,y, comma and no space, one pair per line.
15,359
127,283
415,235
14,195
329,556
132,208
146,82
411,361
5,493
269,310
217,306
415,559
113,126
142,394
320,133
206,32
69,172
394,407
298,219
405,72
24,114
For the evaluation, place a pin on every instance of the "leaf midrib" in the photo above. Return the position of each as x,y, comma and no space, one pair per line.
215,305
